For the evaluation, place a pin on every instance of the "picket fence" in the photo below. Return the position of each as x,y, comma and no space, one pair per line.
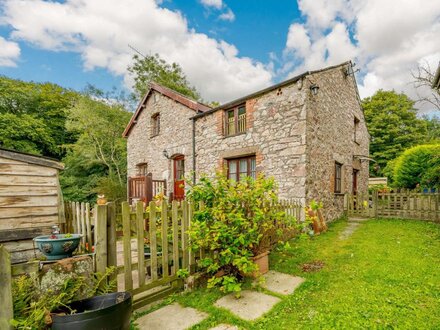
395,204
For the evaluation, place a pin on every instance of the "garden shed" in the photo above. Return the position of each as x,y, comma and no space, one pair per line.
31,201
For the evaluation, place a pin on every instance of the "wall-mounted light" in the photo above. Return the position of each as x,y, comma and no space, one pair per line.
314,89
165,153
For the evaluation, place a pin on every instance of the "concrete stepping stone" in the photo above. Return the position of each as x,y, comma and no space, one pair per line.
281,283
171,317
250,306
225,327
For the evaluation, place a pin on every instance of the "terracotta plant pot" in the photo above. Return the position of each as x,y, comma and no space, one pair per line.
262,262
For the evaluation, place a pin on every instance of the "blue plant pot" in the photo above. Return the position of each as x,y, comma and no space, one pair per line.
57,248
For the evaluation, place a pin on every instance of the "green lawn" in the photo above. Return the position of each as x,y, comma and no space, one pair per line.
385,276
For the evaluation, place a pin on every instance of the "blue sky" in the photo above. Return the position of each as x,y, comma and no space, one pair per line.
227,48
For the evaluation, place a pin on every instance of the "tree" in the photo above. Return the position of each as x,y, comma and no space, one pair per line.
25,133
393,125
423,80
152,68
39,104
96,163
433,129
419,165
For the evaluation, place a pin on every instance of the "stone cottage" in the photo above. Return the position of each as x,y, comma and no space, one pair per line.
307,132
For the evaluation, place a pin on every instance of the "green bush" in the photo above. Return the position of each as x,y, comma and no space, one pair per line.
419,165
238,220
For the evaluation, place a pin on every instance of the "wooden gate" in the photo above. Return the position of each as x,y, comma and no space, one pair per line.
148,261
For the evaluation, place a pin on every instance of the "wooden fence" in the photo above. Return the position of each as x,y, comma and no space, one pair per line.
152,252
80,220
148,256
393,204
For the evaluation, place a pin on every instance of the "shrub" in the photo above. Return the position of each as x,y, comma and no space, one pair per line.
419,165
238,221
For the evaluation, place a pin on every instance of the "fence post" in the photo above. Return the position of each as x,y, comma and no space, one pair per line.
149,187
6,310
126,227
436,210
375,202
111,234
101,238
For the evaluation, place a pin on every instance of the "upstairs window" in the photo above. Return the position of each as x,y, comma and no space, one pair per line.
239,168
155,124
235,120
338,178
356,130
142,169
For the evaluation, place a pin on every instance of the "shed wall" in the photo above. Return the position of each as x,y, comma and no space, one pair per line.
30,200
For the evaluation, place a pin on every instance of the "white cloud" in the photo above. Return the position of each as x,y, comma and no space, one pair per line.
101,30
227,16
218,4
387,39
9,52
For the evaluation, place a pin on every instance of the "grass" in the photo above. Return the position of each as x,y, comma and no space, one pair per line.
385,276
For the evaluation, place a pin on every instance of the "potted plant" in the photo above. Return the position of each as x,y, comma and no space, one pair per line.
237,225
57,246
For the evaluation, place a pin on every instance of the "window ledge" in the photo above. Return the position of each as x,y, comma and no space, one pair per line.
238,134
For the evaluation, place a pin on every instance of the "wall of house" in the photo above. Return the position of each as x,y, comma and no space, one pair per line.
30,204
276,135
330,127
175,137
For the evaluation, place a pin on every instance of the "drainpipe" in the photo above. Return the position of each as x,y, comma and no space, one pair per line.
194,148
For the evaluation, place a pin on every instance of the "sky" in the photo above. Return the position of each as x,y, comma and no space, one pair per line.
227,48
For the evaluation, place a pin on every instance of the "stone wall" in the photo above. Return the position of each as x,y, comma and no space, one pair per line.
330,138
276,135
175,137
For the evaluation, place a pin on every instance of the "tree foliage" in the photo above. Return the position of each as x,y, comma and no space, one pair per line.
43,106
393,125
152,68
418,165
97,162
26,133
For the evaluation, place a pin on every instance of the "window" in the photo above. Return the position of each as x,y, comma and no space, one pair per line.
338,178
355,129
242,167
142,169
155,124
235,120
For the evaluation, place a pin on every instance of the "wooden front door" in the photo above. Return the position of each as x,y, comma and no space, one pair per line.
179,174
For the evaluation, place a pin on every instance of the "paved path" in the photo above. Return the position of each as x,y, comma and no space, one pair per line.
250,306
353,224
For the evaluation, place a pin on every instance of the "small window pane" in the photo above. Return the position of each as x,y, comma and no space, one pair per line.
231,123
253,168
232,170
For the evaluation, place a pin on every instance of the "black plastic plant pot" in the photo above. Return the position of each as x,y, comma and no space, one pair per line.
110,312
